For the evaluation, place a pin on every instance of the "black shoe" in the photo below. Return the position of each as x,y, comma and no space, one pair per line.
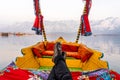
64,55
57,50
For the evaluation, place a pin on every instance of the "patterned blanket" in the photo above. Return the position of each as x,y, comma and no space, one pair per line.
12,72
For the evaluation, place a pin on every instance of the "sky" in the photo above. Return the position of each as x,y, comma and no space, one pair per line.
12,11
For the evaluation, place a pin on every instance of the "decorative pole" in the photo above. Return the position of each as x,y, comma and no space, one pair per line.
44,34
84,27
38,24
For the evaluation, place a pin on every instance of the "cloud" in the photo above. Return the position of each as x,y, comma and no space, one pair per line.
109,25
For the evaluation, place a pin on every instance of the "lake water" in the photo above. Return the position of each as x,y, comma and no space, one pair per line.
10,47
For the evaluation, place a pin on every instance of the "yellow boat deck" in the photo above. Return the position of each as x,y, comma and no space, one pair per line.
30,61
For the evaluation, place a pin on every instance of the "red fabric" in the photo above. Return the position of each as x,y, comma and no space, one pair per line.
85,26
69,48
2,78
115,75
38,23
41,21
36,52
15,74
48,53
75,75
78,52
74,55
38,49
50,46
88,6
65,47
84,52
69,54
36,5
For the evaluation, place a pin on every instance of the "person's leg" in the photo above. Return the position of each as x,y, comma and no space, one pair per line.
52,74
61,70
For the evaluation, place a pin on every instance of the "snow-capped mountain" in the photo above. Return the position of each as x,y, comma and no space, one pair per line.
106,26
17,27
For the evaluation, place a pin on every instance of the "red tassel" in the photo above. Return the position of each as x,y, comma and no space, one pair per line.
86,30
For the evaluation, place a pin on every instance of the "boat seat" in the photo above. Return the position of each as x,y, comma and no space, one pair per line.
78,56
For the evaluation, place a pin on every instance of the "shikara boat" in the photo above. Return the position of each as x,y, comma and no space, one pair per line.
84,63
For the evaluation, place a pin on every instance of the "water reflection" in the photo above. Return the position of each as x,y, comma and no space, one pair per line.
107,44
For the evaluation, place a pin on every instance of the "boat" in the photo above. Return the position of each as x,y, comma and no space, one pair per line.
84,63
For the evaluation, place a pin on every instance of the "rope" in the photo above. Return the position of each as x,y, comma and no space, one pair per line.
79,33
43,29
44,34
80,26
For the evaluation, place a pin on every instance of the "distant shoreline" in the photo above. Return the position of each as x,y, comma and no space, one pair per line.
106,34
6,34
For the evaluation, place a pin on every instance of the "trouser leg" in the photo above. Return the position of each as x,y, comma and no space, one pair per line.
60,70
52,74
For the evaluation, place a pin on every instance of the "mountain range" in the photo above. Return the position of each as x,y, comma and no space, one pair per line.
108,25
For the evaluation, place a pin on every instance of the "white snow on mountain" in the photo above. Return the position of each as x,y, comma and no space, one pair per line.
108,25
17,27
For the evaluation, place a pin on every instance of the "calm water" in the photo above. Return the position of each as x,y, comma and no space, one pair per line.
10,47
